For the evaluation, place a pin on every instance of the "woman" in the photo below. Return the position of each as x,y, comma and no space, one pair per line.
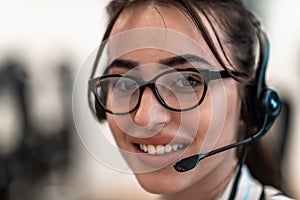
183,78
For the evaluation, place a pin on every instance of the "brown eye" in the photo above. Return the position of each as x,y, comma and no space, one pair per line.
124,85
187,81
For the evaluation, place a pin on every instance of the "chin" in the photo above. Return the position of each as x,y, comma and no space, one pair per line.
163,181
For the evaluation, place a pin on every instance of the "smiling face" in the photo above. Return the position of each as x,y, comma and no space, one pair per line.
152,137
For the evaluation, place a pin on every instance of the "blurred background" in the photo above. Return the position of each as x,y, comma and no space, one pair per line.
44,43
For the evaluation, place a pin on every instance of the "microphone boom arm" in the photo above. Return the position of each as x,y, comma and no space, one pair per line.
191,162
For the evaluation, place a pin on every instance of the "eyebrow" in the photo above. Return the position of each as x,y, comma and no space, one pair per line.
171,62
121,63
182,59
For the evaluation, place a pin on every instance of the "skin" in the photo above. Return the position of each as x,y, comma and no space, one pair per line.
209,179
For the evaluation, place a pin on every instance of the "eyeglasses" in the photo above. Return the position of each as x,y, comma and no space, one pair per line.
176,89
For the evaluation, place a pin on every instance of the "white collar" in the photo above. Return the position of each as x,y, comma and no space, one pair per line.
248,187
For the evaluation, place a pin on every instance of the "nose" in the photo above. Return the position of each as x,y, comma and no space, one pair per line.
150,113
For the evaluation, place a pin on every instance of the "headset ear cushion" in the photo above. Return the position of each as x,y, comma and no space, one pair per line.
256,108
270,101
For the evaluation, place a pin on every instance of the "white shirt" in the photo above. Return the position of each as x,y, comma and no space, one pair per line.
251,189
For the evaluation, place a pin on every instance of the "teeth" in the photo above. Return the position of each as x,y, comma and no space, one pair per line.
161,149
168,148
175,147
151,149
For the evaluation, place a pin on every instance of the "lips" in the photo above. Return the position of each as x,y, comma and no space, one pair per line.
157,151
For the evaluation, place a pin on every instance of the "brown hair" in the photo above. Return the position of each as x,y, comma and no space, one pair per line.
239,29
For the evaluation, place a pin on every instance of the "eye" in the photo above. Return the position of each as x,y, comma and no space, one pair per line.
188,81
124,85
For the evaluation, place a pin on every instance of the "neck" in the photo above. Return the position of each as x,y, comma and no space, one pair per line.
209,187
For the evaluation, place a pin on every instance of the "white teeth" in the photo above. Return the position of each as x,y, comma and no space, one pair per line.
145,148
151,149
161,149
175,147
168,148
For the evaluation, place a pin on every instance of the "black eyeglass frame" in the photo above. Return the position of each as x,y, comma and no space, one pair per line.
206,73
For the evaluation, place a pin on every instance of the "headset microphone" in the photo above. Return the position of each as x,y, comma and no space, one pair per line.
191,162
267,102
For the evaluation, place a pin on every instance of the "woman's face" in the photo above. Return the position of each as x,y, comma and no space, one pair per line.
153,138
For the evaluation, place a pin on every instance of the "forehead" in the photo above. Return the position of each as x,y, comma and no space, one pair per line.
143,16
162,31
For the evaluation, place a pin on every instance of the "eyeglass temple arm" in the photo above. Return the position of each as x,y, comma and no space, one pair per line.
218,74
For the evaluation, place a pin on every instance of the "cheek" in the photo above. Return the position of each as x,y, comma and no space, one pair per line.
197,124
118,134
232,111
215,121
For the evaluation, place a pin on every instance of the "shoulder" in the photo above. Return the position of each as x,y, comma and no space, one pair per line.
274,194
249,188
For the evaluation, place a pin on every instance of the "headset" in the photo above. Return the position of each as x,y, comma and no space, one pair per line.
264,106
263,101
